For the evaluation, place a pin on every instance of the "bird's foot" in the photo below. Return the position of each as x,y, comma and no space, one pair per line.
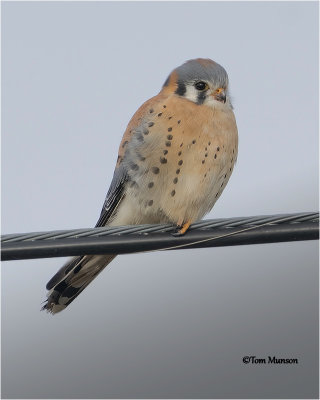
181,229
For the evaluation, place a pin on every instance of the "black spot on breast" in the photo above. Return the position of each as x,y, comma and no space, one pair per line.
180,162
206,155
124,144
165,152
180,152
134,166
169,137
203,161
193,142
159,115
150,124
209,143
151,110
150,202
145,131
150,185
215,156
179,121
178,171
164,106
181,89
139,137
168,144
169,117
173,193
175,180
141,158
181,144
163,160
218,148
133,184
169,129
155,170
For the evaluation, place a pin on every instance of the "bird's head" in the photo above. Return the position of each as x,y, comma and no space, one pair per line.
201,81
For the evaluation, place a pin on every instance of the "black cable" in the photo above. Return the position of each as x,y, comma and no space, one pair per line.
140,238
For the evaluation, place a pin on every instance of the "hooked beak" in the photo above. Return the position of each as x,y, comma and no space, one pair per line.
220,95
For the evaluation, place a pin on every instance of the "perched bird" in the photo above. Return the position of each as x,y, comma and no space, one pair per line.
175,158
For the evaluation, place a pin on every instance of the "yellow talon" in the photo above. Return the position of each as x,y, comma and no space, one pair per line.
184,228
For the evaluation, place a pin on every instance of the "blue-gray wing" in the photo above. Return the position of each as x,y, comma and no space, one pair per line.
114,196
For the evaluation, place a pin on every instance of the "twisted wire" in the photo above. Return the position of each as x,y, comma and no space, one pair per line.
142,238
277,219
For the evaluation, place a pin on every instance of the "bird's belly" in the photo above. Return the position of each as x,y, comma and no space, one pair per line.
182,188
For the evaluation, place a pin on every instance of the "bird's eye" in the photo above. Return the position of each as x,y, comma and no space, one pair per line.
201,85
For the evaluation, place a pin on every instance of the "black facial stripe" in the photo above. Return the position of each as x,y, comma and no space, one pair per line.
201,97
181,89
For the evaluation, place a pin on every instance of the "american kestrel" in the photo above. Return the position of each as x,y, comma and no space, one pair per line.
175,158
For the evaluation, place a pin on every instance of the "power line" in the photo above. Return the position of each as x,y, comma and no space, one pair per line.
141,238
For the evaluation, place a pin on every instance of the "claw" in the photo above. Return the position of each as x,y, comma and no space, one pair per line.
182,229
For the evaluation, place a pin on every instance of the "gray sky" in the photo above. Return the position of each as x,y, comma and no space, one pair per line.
162,324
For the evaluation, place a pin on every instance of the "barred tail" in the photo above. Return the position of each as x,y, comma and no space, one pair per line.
72,279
